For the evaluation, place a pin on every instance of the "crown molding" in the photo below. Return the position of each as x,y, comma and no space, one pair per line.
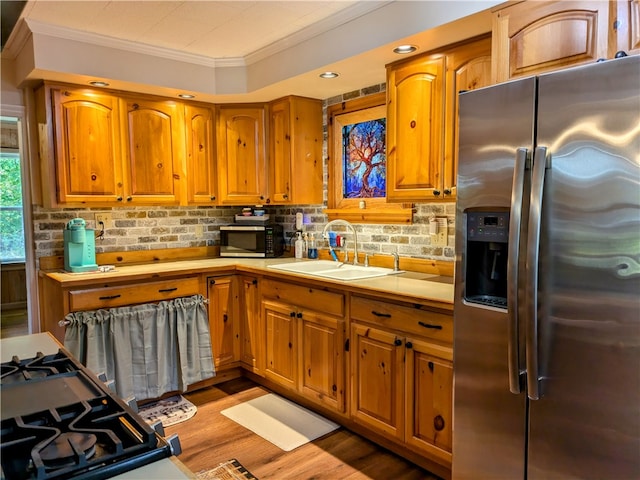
17,40
322,26
41,28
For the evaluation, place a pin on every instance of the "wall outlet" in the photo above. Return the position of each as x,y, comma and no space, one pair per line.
105,218
440,238
199,231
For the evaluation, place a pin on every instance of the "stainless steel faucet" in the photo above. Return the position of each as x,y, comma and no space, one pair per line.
396,261
353,231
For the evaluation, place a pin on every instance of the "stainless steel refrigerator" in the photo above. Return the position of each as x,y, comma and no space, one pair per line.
547,296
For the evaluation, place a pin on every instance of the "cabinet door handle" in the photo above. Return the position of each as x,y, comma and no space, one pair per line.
299,315
109,297
397,342
166,290
408,345
429,325
292,314
378,314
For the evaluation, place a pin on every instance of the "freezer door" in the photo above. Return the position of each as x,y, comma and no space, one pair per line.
489,421
586,424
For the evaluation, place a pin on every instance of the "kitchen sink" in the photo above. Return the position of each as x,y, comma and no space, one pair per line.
335,270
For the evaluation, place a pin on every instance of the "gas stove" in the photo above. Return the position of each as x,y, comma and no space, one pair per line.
58,420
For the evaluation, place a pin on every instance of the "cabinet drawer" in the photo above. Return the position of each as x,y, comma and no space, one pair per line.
406,318
305,297
107,297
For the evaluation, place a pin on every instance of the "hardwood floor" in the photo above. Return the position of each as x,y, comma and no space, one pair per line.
210,438
13,322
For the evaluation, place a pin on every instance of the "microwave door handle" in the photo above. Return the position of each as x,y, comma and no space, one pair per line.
515,220
541,162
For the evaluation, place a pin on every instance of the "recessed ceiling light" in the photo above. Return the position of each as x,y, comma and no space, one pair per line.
402,49
98,83
186,95
329,75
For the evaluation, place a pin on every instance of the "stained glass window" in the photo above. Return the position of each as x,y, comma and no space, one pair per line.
364,159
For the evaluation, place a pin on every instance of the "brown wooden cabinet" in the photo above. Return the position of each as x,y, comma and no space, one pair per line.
103,148
628,26
242,159
305,341
377,372
281,343
422,118
58,300
429,397
252,329
322,362
223,324
468,68
153,136
533,37
295,151
88,162
201,155
402,374
415,117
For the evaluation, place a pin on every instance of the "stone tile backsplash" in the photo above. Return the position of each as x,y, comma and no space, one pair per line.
150,228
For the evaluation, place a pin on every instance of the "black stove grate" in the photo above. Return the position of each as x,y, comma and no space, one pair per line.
60,421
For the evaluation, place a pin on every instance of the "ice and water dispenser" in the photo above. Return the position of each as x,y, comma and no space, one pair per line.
486,258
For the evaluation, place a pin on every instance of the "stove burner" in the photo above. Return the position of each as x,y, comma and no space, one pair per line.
67,447
68,425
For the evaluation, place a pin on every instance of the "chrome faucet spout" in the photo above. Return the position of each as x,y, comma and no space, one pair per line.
353,231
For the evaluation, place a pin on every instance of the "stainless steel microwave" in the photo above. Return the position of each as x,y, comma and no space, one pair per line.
259,241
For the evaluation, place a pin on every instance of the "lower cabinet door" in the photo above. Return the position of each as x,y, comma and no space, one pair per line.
322,373
223,325
429,393
251,326
281,343
377,372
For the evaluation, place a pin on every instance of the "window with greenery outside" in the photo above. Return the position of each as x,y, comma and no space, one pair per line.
12,247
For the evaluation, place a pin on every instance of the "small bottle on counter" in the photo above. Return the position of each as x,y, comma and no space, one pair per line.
299,246
312,249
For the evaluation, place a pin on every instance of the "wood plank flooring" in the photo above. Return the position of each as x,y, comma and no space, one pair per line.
13,322
210,438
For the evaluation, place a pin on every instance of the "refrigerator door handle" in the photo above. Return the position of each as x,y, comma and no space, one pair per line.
541,162
515,219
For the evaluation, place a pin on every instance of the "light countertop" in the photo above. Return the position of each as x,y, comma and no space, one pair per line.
406,286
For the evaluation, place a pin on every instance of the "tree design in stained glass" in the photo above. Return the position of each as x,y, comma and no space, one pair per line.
364,159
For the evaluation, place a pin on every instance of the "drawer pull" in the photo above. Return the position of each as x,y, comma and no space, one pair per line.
378,314
166,290
110,297
429,325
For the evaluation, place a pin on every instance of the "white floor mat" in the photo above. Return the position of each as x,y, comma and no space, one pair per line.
280,421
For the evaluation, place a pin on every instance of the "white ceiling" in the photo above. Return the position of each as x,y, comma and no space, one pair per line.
231,50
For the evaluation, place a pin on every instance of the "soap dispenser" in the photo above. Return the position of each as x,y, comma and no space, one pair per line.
299,245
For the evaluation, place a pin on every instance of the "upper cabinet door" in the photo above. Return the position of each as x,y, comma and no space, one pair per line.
241,155
88,162
201,164
415,117
155,151
281,176
295,148
468,68
535,37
